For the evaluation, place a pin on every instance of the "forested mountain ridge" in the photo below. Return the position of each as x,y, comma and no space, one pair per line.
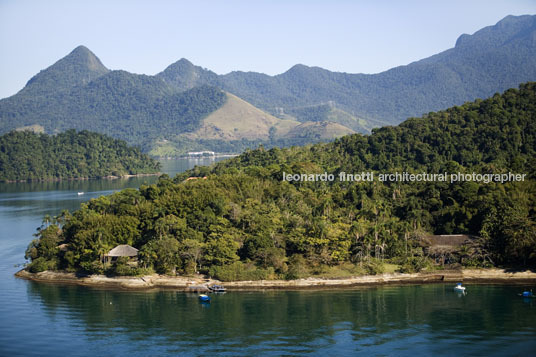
79,92
25,155
132,107
491,60
246,222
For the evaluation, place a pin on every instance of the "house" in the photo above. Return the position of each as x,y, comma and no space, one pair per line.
445,241
444,248
123,250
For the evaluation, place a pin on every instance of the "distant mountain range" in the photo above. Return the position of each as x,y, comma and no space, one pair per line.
187,107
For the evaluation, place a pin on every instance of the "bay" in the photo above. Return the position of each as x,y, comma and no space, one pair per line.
51,320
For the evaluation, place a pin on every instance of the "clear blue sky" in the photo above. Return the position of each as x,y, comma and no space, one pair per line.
262,36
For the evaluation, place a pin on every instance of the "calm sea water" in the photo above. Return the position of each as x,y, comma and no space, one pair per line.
51,320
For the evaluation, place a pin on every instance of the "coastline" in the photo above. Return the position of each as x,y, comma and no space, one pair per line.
109,177
184,283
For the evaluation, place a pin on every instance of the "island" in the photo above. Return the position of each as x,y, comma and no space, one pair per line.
244,223
27,155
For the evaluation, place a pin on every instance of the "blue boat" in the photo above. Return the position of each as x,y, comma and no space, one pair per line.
527,294
204,298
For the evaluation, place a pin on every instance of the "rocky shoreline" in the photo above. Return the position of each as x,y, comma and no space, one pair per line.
195,283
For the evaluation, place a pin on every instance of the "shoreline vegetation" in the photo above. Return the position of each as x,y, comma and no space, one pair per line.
109,177
193,283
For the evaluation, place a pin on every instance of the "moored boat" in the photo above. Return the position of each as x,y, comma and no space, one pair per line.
527,294
459,287
217,288
204,298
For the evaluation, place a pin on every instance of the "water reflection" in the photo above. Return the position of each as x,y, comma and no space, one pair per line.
372,319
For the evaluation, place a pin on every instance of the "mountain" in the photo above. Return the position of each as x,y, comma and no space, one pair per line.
79,67
183,107
136,108
238,125
491,60
79,92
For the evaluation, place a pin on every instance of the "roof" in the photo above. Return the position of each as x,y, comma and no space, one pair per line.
123,250
446,240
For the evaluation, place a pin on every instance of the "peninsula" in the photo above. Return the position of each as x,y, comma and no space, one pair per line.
244,223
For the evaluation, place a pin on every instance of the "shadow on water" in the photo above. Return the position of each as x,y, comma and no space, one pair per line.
376,319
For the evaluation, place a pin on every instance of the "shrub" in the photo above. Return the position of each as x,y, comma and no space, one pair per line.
373,267
414,265
297,268
93,267
121,267
240,271
41,264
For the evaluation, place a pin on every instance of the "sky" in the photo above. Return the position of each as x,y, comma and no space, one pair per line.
267,36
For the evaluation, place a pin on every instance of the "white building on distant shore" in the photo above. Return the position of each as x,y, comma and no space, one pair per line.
201,153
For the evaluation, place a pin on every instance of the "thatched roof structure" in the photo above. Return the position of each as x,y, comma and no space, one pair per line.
123,250
445,240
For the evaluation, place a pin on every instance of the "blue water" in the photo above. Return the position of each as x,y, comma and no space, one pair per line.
51,320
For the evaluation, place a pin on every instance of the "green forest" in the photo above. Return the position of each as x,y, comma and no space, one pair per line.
25,155
136,108
245,222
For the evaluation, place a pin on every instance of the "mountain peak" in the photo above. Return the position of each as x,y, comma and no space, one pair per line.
183,75
82,49
77,68
298,67
496,35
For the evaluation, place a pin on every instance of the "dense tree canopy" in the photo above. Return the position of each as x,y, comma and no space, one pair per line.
25,155
245,222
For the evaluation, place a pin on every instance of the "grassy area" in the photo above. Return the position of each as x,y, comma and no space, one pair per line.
390,268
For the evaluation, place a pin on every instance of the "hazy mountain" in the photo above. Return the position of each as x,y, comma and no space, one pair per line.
79,92
79,67
136,108
489,61
185,105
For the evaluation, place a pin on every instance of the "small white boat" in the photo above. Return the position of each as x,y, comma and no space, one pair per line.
459,287
80,193
217,288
